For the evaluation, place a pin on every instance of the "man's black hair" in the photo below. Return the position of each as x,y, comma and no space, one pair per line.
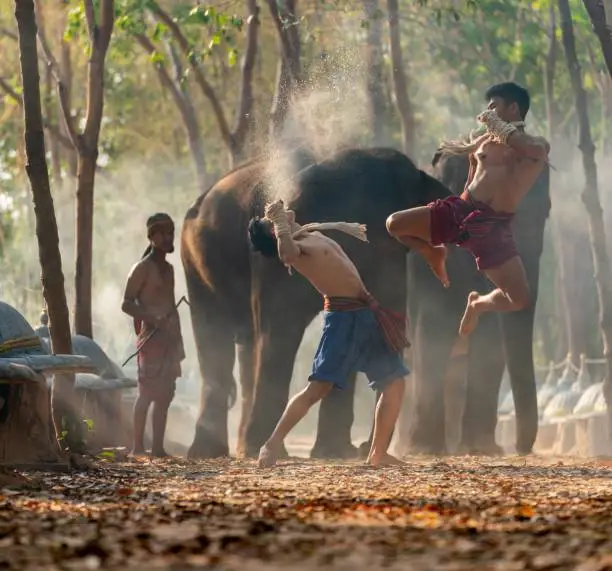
152,221
510,92
261,238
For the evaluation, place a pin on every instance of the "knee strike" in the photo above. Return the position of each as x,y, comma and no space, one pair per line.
391,224
521,301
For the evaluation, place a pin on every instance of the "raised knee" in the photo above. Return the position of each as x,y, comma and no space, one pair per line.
391,224
521,301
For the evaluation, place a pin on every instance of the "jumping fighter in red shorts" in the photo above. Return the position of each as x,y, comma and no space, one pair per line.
504,164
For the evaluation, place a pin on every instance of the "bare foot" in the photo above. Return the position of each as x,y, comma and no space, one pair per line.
137,452
437,262
160,454
471,315
385,460
267,457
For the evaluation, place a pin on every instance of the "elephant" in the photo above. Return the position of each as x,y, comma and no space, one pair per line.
240,298
500,340
237,299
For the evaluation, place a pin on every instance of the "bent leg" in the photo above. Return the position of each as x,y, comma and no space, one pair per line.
412,228
296,410
511,294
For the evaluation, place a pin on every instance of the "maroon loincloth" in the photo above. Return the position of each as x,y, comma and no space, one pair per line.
475,226
392,325
159,359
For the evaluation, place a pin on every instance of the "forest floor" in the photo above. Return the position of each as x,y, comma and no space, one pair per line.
453,513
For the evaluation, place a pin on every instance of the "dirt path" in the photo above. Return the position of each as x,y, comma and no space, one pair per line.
460,513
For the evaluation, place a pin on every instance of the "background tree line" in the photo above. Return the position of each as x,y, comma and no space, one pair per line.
147,102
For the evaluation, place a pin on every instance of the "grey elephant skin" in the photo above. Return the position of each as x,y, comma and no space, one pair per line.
246,306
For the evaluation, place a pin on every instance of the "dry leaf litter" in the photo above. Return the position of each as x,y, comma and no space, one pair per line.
453,514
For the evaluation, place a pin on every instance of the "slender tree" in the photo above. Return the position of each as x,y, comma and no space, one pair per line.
234,137
100,18
600,14
590,198
52,276
400,79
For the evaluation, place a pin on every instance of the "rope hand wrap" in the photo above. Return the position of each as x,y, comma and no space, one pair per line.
480,131
275,212
499,128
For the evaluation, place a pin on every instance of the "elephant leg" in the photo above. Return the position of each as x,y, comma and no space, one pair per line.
485,368
517,332
335,422
246,363
276,354
434,338
454,400
216,354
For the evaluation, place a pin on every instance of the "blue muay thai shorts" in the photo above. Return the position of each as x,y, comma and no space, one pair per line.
353,341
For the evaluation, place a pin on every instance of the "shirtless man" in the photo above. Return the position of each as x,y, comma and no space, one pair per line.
149,299
504,164
358,335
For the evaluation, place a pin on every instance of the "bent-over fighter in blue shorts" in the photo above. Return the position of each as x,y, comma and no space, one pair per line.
358,335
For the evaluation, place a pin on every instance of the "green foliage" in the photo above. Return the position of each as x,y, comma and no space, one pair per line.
453,51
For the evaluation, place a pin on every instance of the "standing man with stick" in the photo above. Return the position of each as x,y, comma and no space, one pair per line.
149,299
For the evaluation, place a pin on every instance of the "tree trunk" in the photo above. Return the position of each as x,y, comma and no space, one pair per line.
562,321
590,198
598,14
289,71
84,243
375,66
400,80
87,147
280,101
54,147
66,74
25,438
52,276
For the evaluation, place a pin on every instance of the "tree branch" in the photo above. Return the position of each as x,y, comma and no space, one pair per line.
205,86
61,87
603,29
90,16
186,109
95,76
164,76
9,34
107,22
289,50
53,129
245,105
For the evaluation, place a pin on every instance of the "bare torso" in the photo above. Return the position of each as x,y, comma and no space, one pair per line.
325,264
151,283
501,176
